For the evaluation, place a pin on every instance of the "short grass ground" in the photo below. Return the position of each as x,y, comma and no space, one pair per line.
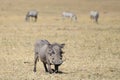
92,50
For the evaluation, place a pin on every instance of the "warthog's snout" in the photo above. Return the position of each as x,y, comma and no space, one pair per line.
58,62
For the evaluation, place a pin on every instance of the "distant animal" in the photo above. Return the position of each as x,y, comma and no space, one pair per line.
49,54
94,15
70,15
32,14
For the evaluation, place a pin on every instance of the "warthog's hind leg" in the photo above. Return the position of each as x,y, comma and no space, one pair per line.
35,62
45,67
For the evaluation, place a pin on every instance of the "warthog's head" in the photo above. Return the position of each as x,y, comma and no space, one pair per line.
55,54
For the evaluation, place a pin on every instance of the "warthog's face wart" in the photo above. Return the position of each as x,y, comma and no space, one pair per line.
55,54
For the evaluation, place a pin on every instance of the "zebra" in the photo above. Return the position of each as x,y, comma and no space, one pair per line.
32,14
70,15
94,15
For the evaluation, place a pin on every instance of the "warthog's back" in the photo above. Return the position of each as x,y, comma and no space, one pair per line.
39,44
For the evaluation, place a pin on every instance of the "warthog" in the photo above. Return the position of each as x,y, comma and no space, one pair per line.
32,14
94,15
50,54
70,15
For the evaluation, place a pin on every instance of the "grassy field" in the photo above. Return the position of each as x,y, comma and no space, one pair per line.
92,50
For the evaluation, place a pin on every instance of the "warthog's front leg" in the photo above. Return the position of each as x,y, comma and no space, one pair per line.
56,68
49,69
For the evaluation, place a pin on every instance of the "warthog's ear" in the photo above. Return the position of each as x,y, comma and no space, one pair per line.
62,45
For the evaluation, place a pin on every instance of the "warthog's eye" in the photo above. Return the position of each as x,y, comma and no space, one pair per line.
50,51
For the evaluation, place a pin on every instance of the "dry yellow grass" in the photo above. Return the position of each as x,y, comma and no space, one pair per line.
92,51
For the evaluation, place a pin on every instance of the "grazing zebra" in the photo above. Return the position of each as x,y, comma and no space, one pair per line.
69,15
32,14
94,15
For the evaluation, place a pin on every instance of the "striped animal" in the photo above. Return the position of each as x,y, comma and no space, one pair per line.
94,15
32,14
70,15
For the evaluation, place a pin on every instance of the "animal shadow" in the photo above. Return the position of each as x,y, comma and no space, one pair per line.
59,72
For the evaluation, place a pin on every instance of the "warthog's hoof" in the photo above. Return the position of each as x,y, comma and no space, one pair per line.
51,71
56,71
